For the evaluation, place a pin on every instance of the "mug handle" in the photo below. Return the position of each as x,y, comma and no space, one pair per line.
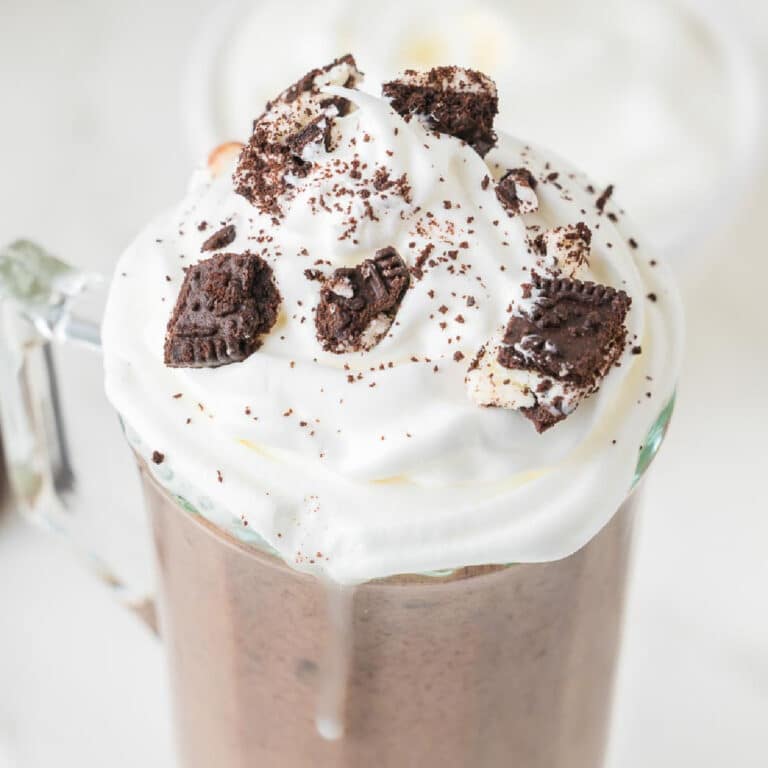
37,294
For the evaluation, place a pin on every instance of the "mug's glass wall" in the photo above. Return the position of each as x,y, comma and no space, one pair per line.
4,495
486,667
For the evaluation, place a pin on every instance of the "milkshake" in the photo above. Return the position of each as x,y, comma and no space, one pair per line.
391,376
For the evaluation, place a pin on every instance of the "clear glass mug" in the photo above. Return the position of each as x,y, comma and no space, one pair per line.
473,667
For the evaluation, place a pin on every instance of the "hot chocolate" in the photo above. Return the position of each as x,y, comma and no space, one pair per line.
389,372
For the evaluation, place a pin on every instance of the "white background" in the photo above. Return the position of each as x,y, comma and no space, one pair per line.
91,146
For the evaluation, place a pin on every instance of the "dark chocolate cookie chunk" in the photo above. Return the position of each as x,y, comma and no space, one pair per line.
220,239
297,119
516,191
544,417
460,102
358,304
226,304
574,335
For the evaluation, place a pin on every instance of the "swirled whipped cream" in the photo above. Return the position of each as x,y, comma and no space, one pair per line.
382,339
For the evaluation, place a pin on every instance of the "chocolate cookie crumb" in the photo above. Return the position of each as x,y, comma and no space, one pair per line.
314,274
318,131
225,305
452,100
220,239
358,304
516,191
157,457
604,198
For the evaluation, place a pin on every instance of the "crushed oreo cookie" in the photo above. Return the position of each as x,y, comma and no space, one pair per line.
225,305
573,336
452,100
358,304
516,191
220,239
295,124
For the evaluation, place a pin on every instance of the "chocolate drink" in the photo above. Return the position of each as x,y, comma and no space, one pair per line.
379,351
486,667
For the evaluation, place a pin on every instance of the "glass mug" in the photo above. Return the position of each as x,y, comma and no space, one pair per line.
4,494
477,666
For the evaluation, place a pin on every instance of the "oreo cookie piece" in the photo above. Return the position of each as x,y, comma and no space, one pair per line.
342,71
295,125
453,100
220,239
225,305
516,191
358,304
570,340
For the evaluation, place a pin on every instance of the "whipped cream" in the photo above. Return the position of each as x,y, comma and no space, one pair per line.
366,464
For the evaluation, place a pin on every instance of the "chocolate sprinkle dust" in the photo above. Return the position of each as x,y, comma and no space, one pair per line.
460,102
358,304
225,305
575,334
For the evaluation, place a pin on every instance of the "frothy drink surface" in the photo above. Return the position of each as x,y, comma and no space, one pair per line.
487,667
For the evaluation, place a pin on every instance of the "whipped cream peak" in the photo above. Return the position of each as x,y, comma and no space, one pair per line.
414,285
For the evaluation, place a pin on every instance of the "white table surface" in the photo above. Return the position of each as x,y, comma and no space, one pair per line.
90,147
